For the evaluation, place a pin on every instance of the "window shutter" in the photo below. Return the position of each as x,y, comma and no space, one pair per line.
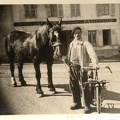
112,9
27,11
72,10
48,10
98,9
60,10
33,11
54,10
36,14
77,10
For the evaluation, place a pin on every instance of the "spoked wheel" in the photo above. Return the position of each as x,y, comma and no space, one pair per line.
98,100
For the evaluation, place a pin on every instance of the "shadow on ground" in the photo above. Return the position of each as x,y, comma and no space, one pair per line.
111,102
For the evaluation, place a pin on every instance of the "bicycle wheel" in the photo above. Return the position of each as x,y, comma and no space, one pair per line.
98,100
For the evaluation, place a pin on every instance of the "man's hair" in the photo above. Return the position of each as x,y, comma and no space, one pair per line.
74,29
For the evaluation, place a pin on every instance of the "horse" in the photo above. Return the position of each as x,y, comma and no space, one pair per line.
42,45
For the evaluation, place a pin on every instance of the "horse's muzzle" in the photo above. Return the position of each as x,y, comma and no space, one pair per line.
57,52
57,44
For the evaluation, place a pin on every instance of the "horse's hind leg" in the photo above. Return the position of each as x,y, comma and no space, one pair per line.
50,81
12,67
20,67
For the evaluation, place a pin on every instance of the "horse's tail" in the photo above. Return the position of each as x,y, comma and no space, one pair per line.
7,47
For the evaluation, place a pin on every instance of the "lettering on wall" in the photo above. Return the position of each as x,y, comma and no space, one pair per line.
65,22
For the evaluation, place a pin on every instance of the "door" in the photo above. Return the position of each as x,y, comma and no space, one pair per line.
106,37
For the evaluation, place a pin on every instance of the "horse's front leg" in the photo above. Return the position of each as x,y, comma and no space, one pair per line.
20,67
38,77
50,81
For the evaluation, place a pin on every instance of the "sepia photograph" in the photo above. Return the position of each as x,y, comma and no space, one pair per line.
60,60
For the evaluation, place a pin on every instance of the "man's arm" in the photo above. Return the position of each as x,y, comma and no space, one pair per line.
65,59
92,54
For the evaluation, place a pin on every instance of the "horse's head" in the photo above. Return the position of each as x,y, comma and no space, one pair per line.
55,37
50,34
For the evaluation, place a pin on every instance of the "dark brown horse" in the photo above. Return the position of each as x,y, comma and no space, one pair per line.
42,45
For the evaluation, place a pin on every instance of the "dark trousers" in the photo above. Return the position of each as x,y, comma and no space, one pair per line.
75,86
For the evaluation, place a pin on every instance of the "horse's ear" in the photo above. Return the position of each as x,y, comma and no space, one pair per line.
49,23
60,22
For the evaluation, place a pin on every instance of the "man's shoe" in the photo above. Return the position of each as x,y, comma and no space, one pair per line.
76,106
87,109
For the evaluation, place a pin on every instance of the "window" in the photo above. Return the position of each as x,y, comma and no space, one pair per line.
75,10
105,9
92,37
54,10
30,11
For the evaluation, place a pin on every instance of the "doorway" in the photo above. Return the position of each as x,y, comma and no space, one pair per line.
107,37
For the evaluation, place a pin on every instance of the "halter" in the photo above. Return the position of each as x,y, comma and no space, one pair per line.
57,43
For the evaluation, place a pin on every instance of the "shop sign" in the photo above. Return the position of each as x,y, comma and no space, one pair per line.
66,22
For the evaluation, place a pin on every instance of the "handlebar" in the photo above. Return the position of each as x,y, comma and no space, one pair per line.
91,68
108,68
87,68
96,82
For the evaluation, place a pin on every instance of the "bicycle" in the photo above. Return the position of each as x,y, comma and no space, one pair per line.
95,86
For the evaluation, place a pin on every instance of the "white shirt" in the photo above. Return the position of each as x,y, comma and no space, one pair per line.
79,51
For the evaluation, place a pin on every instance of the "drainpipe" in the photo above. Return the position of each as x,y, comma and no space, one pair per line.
119,30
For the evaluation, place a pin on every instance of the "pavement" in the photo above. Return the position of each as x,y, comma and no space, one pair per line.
111,104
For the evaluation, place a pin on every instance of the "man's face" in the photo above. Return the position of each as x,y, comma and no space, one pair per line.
77,34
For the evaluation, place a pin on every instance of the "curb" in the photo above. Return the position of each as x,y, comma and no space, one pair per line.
6,64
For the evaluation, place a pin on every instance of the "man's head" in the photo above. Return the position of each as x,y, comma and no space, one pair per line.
77,33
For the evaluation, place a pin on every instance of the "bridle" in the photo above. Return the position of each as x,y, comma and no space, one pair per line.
55,44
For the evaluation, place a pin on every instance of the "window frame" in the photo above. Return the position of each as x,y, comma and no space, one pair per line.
30,11
75,10
110,10
92,35
54,10
105,9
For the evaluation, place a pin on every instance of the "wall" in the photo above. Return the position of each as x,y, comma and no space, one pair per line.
6,25
15,13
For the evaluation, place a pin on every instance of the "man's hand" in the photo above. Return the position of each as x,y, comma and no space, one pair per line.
64,59
96,66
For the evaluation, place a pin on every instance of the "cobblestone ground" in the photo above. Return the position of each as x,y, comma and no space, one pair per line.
23,100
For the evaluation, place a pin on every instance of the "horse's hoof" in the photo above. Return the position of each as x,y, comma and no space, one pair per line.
14,84
55,92
24,84
40,95
52,89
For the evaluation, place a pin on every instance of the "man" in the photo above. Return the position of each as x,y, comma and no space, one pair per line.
76,59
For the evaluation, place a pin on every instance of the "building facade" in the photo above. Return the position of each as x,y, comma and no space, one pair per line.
99,22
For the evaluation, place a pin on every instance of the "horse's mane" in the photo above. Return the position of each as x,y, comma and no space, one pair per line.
42,29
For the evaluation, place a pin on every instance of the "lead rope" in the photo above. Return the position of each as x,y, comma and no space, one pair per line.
69,64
